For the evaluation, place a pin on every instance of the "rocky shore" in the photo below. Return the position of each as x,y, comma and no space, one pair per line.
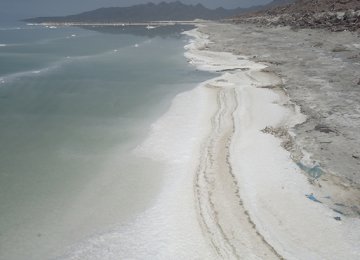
332,15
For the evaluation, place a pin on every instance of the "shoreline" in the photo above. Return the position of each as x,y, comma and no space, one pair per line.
251,196
117,24
320,72
222,215
231,189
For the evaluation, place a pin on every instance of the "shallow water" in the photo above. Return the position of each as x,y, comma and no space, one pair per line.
74,103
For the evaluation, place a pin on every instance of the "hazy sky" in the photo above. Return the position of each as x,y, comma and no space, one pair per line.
16,9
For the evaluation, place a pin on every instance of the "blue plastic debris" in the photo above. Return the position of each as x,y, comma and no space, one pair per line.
312,197
314,172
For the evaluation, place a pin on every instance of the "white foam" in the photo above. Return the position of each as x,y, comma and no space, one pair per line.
3,45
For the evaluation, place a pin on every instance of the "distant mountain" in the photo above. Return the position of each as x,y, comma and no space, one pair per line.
277,3
271,5
175,11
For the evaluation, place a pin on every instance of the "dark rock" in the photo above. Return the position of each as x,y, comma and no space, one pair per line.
338,211
324,129
340,48
340,204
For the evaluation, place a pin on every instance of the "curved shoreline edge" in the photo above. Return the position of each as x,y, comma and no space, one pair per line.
230,191
247,187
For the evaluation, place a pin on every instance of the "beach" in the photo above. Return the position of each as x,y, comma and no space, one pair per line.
245,148
238,182
266,187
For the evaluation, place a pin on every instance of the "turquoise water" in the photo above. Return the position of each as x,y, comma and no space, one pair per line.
74,103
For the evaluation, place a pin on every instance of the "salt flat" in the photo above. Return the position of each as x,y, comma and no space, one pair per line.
256,195
320,72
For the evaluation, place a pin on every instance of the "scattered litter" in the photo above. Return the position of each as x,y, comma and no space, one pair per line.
312,197
314,172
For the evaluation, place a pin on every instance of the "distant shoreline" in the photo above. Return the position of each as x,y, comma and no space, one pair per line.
151,23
